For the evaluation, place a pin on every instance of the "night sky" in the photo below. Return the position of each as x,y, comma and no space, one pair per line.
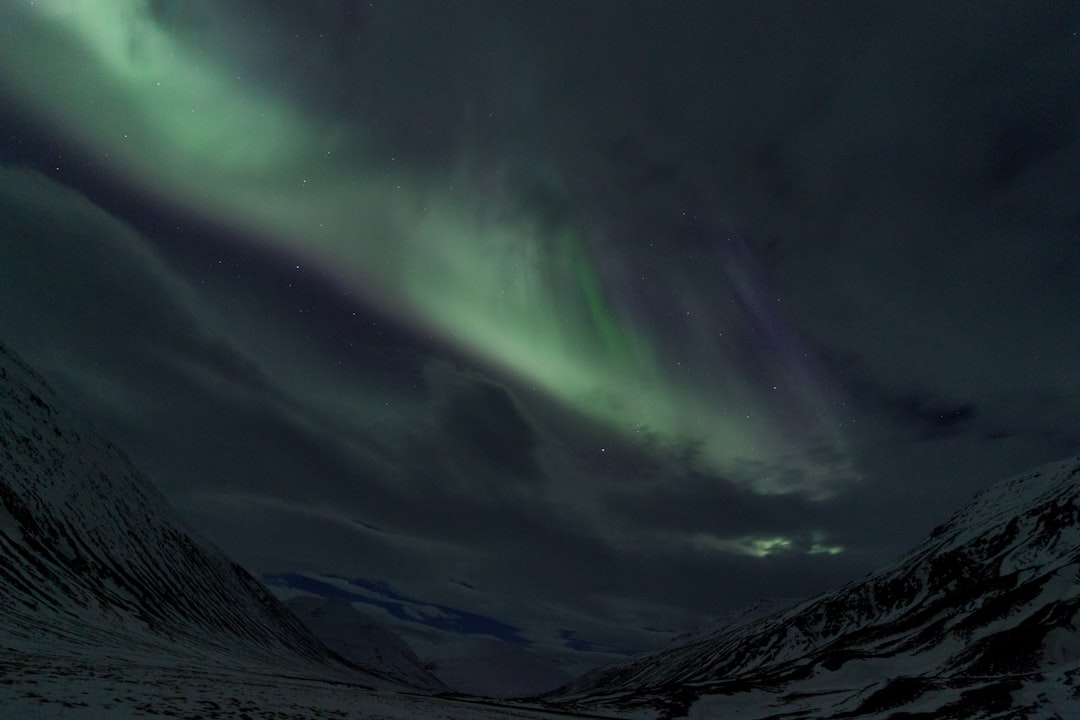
573,323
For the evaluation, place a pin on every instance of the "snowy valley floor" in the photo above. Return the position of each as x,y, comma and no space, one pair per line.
42,687
37,686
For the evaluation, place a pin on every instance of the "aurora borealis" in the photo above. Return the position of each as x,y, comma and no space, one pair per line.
530,300
557,307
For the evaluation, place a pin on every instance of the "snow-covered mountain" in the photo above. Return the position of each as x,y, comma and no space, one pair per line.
494,668
358,638
92,557
981,619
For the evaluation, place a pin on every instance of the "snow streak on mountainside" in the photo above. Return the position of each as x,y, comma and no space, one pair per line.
355,637
972,621
92,556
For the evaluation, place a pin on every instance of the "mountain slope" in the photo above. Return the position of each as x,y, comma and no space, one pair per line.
494,668
354,636
93,557
988,604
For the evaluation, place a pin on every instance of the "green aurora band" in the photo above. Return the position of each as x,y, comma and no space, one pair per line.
508,290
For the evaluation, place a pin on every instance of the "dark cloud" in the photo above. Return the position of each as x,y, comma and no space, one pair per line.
483,423
696,502
75,276
922,414
1028,142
